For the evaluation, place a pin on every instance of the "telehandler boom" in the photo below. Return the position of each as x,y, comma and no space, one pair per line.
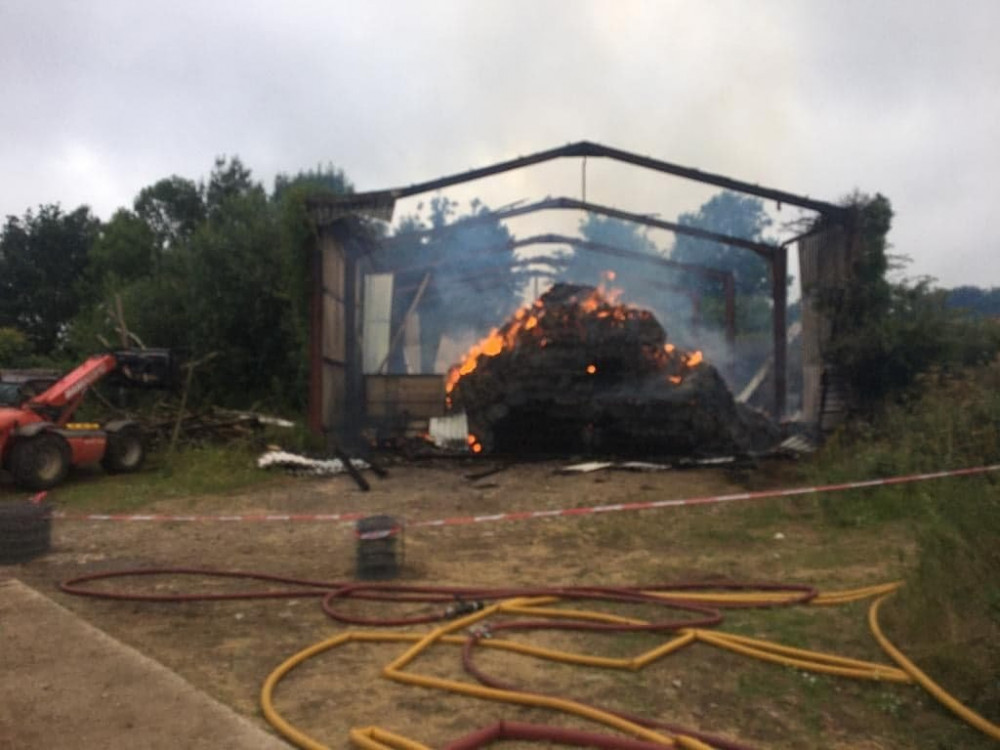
38,443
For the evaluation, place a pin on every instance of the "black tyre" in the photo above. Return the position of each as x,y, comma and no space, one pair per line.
40,461
125,451
25,531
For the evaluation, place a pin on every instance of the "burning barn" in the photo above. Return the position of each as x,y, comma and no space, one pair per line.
573,370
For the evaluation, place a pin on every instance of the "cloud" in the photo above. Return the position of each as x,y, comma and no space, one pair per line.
817,98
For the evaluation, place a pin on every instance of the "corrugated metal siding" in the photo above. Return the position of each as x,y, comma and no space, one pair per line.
377,322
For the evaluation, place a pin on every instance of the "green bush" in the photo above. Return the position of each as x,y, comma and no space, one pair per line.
886,335
948,614
14,347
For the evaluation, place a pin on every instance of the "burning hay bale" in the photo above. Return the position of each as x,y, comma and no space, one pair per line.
578,371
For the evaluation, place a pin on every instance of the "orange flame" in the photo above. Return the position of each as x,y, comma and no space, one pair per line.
600,302
496,341
592,302
493,344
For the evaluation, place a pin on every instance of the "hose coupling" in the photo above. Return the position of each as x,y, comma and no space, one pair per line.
461,608
481,632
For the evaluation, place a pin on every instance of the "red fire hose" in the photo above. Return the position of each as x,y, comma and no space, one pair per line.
453,601
502,731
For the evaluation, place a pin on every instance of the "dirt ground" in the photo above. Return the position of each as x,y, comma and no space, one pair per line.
228,648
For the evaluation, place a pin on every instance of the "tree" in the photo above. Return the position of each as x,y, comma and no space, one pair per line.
737,216
41,258
173,208
124,251
229,179
239,287
323,180
232,278
473,284
585,267
236,303
976,301
14,347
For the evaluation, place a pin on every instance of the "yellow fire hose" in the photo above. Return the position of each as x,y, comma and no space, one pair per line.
911,669
374,738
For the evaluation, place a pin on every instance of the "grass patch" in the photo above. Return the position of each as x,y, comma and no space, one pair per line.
948,615
205,470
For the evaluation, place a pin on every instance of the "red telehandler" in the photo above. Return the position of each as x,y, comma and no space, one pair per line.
38,445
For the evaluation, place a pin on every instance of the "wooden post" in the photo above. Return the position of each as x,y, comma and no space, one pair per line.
354,397
779,321
175,433
315,417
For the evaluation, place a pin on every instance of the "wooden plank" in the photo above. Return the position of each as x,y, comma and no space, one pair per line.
419,396
333,266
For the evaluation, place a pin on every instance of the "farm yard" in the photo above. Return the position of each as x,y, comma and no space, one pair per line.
227,648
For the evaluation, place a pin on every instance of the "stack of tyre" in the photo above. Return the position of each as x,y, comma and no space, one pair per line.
25,530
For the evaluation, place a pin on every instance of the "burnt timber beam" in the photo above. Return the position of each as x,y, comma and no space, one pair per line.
693,295
600,247
581,149
724,277
597,247
760,248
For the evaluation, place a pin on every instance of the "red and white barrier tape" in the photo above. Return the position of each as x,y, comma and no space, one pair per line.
327,517
530,514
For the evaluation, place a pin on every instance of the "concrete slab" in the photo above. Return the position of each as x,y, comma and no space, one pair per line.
66,684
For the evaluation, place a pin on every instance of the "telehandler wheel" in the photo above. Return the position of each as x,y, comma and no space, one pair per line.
125,451
39,462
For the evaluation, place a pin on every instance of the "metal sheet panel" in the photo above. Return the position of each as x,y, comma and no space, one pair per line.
450,431
411,343
376,320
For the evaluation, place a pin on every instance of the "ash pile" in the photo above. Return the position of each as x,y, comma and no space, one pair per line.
578,372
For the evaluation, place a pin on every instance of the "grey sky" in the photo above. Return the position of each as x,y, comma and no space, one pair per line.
820,97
